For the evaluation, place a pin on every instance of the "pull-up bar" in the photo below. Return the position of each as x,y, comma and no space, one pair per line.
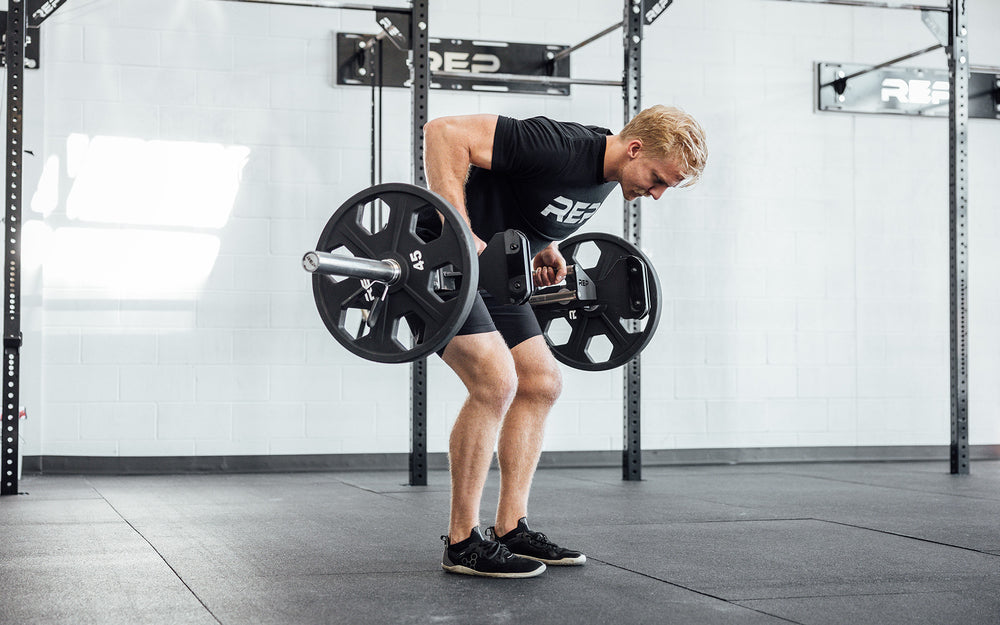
543,80
564,53
877,5
841,83
330,5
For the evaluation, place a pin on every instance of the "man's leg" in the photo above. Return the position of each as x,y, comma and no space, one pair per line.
539,383
485,366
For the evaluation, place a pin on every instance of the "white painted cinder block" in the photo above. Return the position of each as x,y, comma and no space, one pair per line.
804,279
118,421
109,45
61,347
157,383
736,416
159,86
232,383
118,348
829,382
197,421
156,448
67,42
768,381
195,346
736,348
268,420
304,383
77,383
233,310
705,382
62,421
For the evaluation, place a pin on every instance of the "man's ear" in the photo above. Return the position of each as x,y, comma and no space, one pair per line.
633,148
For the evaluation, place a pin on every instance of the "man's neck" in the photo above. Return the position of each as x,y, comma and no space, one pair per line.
614,156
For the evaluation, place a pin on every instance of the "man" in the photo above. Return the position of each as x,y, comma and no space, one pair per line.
546,179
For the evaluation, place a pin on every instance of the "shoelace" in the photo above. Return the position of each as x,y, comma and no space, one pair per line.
539,539
536,539
491,549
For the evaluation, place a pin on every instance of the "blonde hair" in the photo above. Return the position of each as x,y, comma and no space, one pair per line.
669,132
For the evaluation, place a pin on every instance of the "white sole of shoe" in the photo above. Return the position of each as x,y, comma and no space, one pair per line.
564,562
464,570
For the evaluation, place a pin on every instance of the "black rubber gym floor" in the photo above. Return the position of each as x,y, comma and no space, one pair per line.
817,544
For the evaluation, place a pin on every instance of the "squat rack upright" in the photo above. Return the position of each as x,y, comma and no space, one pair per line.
14,58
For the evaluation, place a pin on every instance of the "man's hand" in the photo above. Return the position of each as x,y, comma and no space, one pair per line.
549,266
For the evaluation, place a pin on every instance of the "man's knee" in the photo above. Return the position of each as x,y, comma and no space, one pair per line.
486,367
541,382
495,387
539,377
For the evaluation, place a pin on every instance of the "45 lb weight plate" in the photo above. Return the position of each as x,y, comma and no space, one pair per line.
422,308
615,313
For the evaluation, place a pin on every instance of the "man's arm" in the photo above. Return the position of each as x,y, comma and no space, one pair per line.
451,145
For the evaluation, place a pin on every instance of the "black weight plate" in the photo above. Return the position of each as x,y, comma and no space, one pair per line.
610,323
413,320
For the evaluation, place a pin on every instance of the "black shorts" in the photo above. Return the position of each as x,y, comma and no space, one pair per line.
516,324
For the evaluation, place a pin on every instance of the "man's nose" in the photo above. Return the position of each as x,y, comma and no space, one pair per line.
657,191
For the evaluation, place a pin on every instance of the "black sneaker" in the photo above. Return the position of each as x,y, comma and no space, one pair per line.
477,556
534,545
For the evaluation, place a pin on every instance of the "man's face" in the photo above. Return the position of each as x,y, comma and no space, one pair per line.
647,176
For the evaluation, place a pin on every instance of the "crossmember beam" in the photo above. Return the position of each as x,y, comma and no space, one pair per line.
543,80
876,5
589,40
328,5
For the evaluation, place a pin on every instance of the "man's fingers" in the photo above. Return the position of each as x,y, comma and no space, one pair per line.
547,276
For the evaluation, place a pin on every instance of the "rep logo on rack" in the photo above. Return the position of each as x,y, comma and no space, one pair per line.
457,61
915,91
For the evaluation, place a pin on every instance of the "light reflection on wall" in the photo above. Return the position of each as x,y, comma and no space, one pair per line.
165,183
129,263
173,196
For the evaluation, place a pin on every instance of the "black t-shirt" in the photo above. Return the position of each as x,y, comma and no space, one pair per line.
546,180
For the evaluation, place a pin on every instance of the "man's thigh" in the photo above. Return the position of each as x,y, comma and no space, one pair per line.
516,324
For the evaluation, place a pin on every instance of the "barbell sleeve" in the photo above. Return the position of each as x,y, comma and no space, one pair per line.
387,271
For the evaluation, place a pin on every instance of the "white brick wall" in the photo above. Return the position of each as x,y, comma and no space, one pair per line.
805,279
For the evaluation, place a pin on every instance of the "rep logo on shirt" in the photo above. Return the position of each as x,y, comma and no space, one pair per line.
570,212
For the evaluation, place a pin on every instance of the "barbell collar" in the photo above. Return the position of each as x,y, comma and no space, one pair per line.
387,271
